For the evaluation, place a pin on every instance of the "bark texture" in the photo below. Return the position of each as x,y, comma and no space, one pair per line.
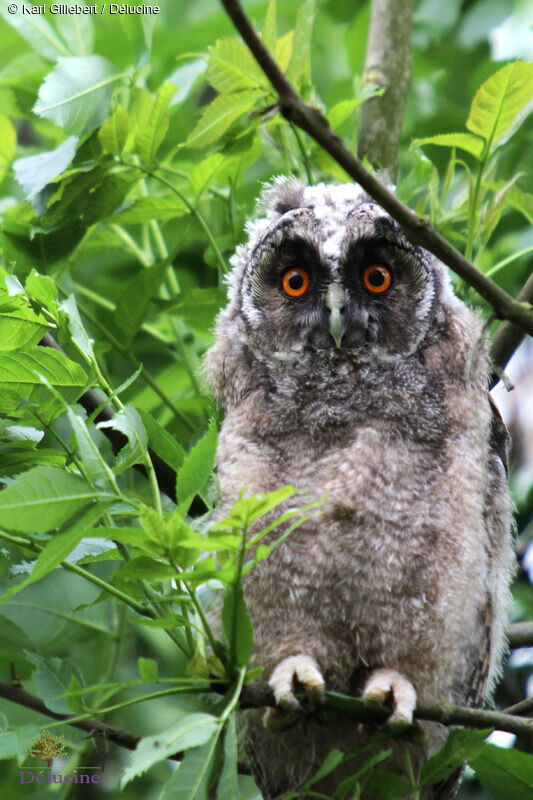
388,64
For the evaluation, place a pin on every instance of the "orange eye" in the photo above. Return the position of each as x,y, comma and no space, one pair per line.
295,282
377,278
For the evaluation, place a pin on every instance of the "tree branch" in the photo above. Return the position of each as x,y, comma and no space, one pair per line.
16,694
508,337
388,64
259,695
520,634
417,228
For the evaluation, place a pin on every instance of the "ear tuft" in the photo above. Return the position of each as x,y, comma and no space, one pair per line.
282,195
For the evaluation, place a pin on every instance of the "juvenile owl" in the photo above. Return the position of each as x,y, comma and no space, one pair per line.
347,368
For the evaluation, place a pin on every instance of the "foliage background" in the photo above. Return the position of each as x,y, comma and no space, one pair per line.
137,220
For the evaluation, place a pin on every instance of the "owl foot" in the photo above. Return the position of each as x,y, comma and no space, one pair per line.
387,683
299,669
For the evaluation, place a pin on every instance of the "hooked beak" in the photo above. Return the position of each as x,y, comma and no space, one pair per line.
336,301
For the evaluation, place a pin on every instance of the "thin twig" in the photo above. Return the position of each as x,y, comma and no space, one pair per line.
417,228
92,400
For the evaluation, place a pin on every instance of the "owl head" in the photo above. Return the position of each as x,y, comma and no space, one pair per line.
327,274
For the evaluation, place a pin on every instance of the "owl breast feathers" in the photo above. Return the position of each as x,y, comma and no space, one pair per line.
347,368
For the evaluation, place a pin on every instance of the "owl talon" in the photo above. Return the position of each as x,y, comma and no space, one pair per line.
301,669
385,683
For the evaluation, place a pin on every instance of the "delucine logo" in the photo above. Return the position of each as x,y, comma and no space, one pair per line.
27,776
49,747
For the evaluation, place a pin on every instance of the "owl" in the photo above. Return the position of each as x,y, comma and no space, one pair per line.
347,368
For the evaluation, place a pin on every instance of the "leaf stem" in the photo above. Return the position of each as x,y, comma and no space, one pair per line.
137,365
83,573
194,211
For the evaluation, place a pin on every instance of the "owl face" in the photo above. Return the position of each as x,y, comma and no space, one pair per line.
327,272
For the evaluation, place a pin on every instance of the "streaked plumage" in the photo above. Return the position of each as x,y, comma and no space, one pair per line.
377,400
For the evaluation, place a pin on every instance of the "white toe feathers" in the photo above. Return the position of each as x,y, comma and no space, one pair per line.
296,669
387,683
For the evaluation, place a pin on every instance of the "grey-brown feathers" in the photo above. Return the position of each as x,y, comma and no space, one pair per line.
375,398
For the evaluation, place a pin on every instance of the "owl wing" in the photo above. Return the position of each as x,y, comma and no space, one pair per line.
499,436
498,450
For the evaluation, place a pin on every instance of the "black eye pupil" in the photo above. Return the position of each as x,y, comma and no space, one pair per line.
376,277
295,281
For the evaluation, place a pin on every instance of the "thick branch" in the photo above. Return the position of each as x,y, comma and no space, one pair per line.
508,337
520,634
418,229
388,64
259,695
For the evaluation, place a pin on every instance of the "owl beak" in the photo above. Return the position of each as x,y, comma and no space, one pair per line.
335,302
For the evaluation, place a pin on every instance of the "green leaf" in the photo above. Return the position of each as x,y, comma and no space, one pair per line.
162,442
232,68
175,621
145,568
59,547
128,422
75,327
341,111
43,499
77,93
8,144
299,69
190,731
247,509
150,136
197,466
198,307
522,202
220,114
148,670
386,785
35,172
237,626
20,326
506,774
95,467
16,458
461,745
22,369
38,32
16,743
135,300
270,30
204,173
52,679
41,288
228,783
86,197
25,246
502,103
146,208
77,30
284,50
331,762
465,141
194,775
114,132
